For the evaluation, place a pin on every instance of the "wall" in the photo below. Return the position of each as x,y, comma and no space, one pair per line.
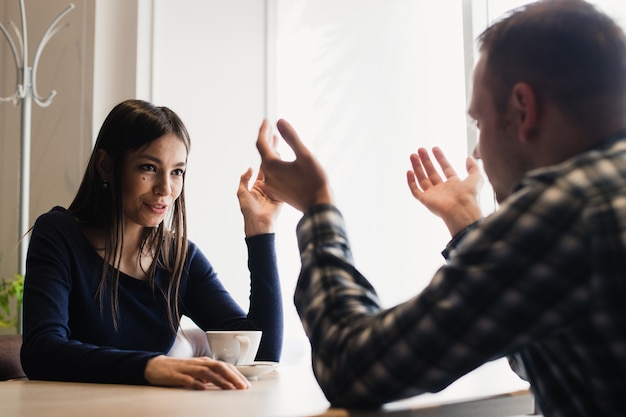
60,135
121,62
63,133
209,67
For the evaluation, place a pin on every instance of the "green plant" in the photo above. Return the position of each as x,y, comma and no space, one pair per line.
11,290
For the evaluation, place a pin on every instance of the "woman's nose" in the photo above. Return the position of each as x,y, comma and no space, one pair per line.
163,186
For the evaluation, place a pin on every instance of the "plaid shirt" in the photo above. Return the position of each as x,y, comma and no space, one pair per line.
543,279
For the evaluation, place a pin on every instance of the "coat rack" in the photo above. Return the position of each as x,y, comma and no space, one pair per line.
25,93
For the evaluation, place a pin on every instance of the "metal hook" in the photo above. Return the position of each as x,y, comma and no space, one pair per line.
23,83
44,41
17,94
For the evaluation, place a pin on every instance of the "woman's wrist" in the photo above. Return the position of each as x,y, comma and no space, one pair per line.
258,228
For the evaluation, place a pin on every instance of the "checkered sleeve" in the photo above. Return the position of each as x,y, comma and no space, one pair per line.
474,310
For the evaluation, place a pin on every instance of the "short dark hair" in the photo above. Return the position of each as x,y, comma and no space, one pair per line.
568,51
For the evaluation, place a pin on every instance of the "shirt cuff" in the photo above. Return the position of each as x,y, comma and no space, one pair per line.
457,239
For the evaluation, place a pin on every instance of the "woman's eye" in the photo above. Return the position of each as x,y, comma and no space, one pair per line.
178,172
147,167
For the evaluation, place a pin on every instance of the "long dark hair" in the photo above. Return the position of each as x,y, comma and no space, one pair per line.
98,203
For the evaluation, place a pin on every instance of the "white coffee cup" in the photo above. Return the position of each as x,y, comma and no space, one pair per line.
238,347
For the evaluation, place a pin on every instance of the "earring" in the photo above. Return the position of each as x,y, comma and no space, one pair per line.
105,183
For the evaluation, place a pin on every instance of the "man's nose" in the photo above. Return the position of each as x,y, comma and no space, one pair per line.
476,152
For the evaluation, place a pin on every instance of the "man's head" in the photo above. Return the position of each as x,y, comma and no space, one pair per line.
550,58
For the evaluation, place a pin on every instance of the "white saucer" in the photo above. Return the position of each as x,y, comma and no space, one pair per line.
257,369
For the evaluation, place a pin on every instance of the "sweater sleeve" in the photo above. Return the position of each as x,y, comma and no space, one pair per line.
209,304
266,308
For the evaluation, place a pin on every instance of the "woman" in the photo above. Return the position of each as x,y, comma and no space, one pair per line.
108,279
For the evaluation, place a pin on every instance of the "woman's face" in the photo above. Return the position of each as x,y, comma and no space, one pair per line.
152,179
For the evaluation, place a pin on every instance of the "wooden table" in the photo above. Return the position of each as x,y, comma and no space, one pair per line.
289,391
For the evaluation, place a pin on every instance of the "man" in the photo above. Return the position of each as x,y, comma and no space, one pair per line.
541,281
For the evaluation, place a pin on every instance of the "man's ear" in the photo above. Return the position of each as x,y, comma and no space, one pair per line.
104,165
525,111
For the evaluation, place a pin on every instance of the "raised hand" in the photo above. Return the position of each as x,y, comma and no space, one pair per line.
259,210
301,183
452,199
193,373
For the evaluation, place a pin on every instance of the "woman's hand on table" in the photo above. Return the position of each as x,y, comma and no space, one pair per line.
193,373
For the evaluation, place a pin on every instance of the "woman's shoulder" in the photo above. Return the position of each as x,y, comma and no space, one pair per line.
193,250
58,218
55,214
195,256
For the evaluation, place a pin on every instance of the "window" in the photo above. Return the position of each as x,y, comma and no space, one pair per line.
365,83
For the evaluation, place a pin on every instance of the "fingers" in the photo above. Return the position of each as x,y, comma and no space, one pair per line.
194,373
418,171
223,375
245,177
260,176
263,145
471,166
413,186
425,172
425,176
446,168
274,143
429,167
244,180
290,136
267,143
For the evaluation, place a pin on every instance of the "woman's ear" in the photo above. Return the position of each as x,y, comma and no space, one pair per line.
104,165
524,106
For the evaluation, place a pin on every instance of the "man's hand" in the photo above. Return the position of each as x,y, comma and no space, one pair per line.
452,199
300,183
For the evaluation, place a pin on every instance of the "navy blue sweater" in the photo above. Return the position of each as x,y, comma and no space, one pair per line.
69,336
